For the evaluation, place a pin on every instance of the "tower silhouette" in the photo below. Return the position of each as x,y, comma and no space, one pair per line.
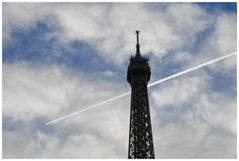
140,131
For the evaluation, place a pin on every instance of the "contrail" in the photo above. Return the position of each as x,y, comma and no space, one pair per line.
88,108
192,69
149,85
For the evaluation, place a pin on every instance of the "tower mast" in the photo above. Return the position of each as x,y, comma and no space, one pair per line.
137,45
140,131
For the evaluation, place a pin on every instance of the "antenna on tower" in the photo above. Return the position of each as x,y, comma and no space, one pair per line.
137,45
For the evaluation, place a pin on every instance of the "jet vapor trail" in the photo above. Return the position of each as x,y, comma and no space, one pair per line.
192,69
149,85
88,108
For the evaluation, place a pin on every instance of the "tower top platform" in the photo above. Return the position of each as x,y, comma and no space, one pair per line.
138,64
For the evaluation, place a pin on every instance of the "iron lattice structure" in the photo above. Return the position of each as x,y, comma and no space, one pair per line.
140,131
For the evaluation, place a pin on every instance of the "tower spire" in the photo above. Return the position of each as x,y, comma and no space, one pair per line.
137,45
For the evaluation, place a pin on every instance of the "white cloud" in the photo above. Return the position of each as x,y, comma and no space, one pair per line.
30,93
192,121
220,41
23,16
224,41
185,90
109,27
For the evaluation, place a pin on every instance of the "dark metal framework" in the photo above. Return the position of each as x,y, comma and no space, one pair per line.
140,131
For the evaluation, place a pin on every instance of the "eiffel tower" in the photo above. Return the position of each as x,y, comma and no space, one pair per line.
140,131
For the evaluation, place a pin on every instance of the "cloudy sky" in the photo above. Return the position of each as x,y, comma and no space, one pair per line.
62,57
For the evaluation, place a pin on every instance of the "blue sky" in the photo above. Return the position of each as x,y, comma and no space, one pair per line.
63,57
